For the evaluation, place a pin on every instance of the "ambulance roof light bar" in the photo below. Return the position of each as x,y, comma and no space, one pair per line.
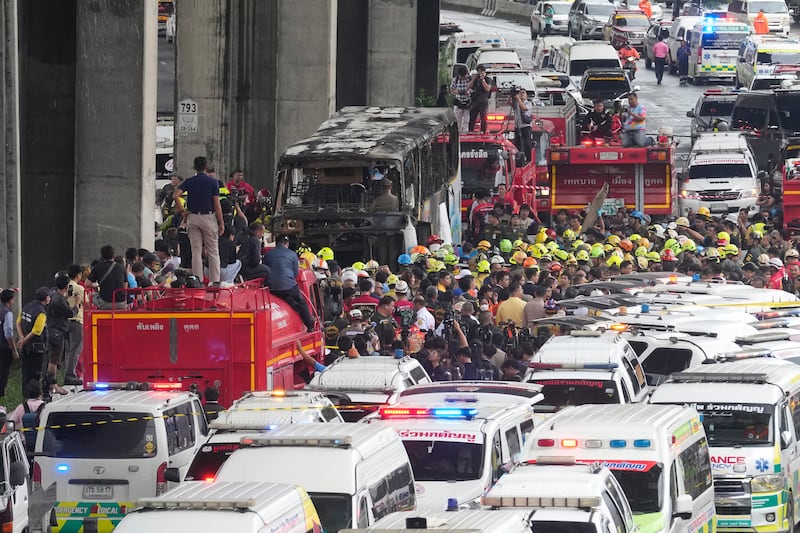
714,377
739,356
396,412
131,386
324,442
544,502
152,503
572,366
764,336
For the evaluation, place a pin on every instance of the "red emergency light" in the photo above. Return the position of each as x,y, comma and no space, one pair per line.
657,155
559,156
166,386
495,117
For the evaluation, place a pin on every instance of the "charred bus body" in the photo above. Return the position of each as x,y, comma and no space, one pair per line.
372,182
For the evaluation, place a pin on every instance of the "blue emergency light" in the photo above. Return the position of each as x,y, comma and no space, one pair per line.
641,443
101,386
617,443
62,468
454,412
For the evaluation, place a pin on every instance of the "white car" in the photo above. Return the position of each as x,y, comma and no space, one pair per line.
560,18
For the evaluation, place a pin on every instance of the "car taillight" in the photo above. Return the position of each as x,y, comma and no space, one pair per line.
161,483
37,475
699,55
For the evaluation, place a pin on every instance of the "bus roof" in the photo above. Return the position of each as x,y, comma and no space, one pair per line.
372,133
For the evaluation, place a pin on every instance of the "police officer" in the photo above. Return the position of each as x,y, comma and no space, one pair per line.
31,329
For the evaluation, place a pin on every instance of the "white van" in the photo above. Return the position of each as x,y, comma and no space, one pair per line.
721,174
461,45
587,367
751,415
574,58
106,447
251,415
558,484
458,442
354,473
242,507
472,520
543,49
677,32
360,385
760,55
14,490
777,13
659,455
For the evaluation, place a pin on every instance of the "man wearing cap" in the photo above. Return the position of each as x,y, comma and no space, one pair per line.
32,343
283,269
386,201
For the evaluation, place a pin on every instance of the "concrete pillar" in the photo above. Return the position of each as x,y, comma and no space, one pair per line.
115,124
201,71
47,138
427,53
351,53
262,75
391,68
10,232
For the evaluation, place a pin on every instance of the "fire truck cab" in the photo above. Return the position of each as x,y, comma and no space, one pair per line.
237,339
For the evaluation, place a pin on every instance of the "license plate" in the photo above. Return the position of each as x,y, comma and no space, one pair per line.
609,156
98,492
719,208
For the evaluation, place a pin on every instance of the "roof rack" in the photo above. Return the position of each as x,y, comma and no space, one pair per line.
717,377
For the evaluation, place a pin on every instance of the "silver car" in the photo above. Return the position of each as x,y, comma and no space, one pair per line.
587,18
560,18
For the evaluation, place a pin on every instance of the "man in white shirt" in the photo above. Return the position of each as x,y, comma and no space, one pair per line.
425,320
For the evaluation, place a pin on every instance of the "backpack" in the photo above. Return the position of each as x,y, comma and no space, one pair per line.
30,421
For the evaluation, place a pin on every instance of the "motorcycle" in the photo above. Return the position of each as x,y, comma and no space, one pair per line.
629,66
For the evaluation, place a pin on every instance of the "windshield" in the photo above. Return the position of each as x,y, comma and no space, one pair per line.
632,22
760,84
579,66
562,526
335,510
482,167
607,87
560,393
748,118
771,6
719,171
498,57
789,111
353,186
464,53
92,435
600,10
730,41
716,109
643,489
445,461
778,58
561,8
736,424
208,460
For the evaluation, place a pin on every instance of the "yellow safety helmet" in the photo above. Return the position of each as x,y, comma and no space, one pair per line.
641,251
653,257
627,257
704,211
572,260
582,255
634,237
569,235
576,244
484,246
482,266
517,258
325,253
642,262
614,260
541,236
358,265
723,238
392,279
644,242
682,221
371,266
519,244
561,255
613,240
731,249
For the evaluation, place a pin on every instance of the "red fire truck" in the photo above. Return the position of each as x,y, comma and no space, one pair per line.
641,178
239,339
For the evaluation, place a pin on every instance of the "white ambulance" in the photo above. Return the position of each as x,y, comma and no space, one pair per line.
354,473
567,493
110,445
751,414
251,415
714,44
659,455
587,367
458,443
243,507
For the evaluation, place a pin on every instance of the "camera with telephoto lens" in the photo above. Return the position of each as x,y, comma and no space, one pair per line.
511,88
235,195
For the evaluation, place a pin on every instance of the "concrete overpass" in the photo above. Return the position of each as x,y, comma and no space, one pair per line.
79,95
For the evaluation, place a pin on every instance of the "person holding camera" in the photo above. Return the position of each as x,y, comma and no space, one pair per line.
460,90
633,125
523,116
481,87
598,121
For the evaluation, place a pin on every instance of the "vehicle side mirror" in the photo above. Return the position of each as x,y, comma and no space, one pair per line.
172,474
690,113
683,507
786,439
17,474
636,88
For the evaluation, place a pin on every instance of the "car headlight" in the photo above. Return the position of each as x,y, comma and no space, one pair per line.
748,193
689,195
767,483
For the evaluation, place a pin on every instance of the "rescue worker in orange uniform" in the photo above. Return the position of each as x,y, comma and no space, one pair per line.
761,24
646,8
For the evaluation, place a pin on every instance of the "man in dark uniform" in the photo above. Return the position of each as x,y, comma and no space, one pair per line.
31,325
283,267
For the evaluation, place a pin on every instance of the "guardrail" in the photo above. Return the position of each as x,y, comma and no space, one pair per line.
504,9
